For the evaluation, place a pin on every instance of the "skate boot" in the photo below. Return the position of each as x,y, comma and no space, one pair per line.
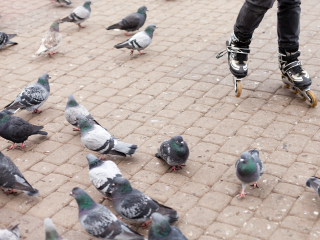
238,60
294,76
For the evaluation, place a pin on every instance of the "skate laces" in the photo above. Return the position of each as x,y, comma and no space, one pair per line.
240,52
291,62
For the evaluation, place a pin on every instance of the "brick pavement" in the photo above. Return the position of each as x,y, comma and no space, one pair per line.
178,87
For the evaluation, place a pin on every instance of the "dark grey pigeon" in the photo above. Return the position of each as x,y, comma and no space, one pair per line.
12,233
314,183
12,178
79,15
99,221
17,130
50,229
5,39
175,152
98,139
32,96
249,169
132,22
133,205
102,174
73,109
67,2
139,41
161,229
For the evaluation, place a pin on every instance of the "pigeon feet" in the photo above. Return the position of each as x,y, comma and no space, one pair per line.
242,194
142,52
9,191
174,168
22,146
110,199
255,185
127,34
145,225
37,111
102,158
131,52
81,25
119,218
76,129
12,147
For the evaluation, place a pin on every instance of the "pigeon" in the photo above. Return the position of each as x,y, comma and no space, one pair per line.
79,15
314,183
51,232
161,229
248,169
132,22
139,41
174,151
32,97
17,130
67,2
10,234
5,39
102,174
74,109
12,178
99,221
133,205
51,40
98,139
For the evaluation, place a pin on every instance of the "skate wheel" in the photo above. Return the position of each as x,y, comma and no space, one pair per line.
285,84
312,101
294,90
239,89
302,96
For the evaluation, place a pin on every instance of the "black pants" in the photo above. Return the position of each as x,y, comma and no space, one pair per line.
252,12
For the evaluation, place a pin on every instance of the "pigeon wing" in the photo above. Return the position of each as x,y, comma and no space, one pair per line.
52,40
33,95
80,13
131,21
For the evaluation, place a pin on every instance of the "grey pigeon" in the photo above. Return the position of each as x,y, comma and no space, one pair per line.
50,229
17,130
73,109
249,169
161,229
79,15
32,96
10,234
133,205
99,221
174,151
98,139
67,2
132,22
12,178
5,39
51,40
102,174
314,183
139,41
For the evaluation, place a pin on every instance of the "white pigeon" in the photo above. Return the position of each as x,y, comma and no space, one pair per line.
79,15
10,234
139,41
102,174
51,40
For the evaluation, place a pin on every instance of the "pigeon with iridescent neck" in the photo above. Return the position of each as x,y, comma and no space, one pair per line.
73,109
12,233
50,229
51,40
139,41
99,221
175,152
79,15
67,2
132,22
249,169
32,96
98,139
161,229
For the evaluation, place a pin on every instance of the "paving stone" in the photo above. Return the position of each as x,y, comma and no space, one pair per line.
293,143
297,224
287,234
228,127
262,119
298,173
277,130
259,227
50,183
182,201
235,216
310,210
282,158
215,201
27,224
250,131
209,174
201,217
288,189
195,189
190,231
222,230
236,145
66,217
161,191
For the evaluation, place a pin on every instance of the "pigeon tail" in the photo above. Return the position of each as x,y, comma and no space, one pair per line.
13,43
11,36
40,133
128,233
32,194
122,45
170,214
67,19
126,148
14,106
115,26
41,49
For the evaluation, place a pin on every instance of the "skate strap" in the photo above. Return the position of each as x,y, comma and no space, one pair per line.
291,65
233,50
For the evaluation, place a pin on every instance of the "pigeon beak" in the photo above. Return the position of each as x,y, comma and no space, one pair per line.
71,194
241,159
49,77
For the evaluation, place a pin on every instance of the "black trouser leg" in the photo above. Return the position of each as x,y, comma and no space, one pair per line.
289,24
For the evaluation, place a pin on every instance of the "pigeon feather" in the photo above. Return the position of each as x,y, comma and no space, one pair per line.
314,183
12,233
50,229
79,14
5,39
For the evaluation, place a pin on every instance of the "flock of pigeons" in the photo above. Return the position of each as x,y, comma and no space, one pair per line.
128,202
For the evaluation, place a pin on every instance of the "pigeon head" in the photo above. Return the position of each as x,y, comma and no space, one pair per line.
87,4
55,25
83,123
44,79
247,165
160,226
4,117
178,145
245,157
142,10
51,232
150,29
84,201
93,161
71,101
121,185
